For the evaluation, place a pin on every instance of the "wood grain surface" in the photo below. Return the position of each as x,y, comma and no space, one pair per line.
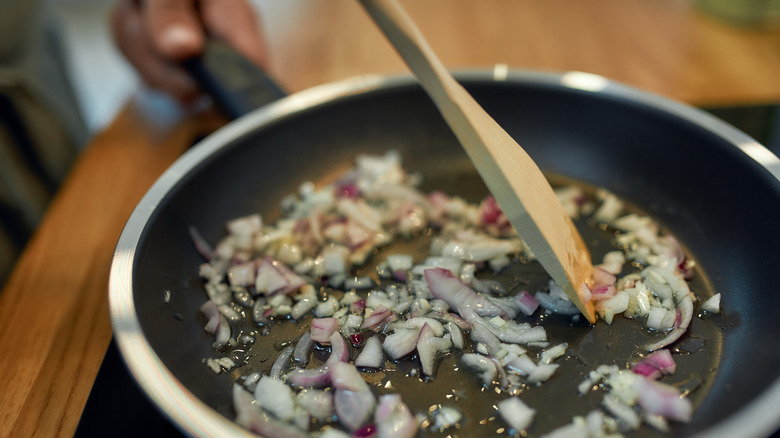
54,325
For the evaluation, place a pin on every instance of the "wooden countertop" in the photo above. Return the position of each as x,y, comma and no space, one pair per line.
54,323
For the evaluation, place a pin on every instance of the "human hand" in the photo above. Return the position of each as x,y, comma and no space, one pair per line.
156,35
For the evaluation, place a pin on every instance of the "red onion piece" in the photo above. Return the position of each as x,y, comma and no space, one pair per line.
447,287
353,399
526,303
310,378
346,189
660,399
379,319
656,364
322,328
367,431
602,278
393,418
602,292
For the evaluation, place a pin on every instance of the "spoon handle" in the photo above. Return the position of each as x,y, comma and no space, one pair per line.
520,188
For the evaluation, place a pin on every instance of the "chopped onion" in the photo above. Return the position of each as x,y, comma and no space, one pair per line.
339,351
712,305
310,378
656,364
401,343
248,416
658,398
303,349
371,355
445,286
393,418
276,397
281,363
323,328
318,403
686,313
353,400
516,413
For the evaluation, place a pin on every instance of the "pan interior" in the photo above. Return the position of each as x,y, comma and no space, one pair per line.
717,201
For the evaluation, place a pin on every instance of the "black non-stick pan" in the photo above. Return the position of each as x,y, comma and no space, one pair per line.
712,186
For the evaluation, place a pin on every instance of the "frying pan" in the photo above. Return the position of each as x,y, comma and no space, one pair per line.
715,188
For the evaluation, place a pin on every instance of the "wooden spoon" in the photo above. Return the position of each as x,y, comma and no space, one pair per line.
520,188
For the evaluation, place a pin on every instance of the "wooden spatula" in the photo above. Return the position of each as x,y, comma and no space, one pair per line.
518,185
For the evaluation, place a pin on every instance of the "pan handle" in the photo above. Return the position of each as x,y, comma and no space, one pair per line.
235,84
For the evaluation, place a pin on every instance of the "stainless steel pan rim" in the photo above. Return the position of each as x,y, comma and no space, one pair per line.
192,416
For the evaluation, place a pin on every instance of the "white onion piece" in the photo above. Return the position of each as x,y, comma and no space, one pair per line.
621,411
276,397
484,367
427,349
456,335
712,305
303,349
400,343
516,413
541,373
522,365
318,403
248,416
223,333
550,354
393,418
242,274
371,356
210,310
281,363
418,323
686,313
445,286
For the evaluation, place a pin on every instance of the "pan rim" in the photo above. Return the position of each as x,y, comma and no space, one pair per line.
192,415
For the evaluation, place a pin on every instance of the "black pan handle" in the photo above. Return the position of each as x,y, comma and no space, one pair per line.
235,84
